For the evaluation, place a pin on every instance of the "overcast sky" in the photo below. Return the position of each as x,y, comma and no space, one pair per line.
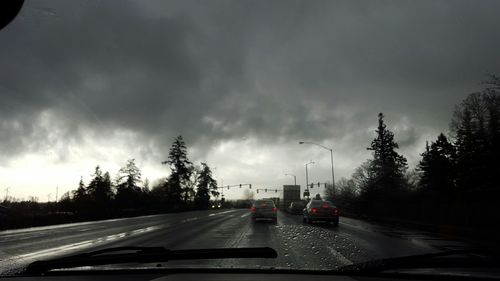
98,82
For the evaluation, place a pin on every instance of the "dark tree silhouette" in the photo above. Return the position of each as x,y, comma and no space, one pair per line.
206,185
386,174
81,198
128,191
177,185
99,189
476,132
437,166
80,193
387,167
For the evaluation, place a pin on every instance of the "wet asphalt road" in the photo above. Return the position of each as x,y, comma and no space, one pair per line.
298,245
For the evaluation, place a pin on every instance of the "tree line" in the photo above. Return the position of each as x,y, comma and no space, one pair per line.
455,183
187,187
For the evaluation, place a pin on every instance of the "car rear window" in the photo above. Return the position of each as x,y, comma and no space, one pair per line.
316,203
330,204
264,203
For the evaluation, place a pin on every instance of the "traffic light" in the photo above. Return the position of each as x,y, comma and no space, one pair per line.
240,185
250,186
228,187
276,190
265,190
318,184
257,190
312,185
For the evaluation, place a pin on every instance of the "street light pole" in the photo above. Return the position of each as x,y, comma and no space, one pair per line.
333,175
331,158
307,176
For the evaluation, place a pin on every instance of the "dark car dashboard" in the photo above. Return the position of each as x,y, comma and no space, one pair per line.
231,275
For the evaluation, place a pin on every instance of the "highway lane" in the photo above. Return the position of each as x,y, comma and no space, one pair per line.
298,245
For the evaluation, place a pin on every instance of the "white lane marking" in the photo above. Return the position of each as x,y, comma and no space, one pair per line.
245,215
220,213
38,229
86,243
339,256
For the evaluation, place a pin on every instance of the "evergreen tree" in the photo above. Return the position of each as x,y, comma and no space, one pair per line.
437,165
81,192
81,198
128,191
99,188
387,168
181,171
476,131
492,100
206,185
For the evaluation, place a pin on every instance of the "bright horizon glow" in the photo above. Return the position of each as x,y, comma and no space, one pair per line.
234,162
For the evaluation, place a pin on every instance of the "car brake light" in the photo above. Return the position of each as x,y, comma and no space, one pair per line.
275,209
326,206
253,209
314,210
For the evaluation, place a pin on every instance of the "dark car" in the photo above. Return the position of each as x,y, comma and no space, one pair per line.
296,207
264,209
321,210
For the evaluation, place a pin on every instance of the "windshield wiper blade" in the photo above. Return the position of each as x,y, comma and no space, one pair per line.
145,255
468,258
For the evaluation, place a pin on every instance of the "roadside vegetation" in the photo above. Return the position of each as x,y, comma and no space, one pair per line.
454,189
188,187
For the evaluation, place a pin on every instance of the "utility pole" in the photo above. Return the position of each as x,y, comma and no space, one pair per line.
57,192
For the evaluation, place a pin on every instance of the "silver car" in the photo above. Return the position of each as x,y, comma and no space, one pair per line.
264,209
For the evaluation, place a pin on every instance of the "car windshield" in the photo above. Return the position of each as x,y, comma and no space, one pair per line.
335,132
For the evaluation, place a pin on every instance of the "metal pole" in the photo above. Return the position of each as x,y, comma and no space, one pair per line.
333,176
331,158
307,179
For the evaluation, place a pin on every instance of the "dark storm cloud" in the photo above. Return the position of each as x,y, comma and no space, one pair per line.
277,71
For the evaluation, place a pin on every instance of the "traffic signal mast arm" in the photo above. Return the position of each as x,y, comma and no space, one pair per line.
235,185
269,190
318,184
